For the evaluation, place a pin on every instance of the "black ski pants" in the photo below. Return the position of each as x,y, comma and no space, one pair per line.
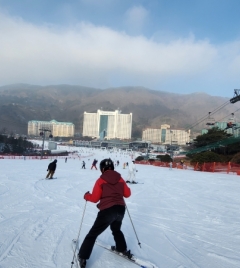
112,217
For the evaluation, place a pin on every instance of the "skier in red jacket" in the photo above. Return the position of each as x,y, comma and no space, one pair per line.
109,189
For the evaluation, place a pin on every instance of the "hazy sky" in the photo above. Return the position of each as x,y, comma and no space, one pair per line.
181,46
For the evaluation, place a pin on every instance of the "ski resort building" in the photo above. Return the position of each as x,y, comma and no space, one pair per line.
107,125
58,129
166,135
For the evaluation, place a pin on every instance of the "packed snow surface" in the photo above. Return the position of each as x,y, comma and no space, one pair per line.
182,218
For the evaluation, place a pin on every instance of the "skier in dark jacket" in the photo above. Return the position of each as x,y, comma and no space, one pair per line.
109,189
94,164
51,169
83,165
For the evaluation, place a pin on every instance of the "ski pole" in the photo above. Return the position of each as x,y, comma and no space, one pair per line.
78,234
133,227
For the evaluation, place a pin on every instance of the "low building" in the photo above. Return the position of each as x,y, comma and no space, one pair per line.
166,135
128,146
52,145
58,129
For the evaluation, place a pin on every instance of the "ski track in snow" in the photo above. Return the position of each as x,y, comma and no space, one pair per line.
183,219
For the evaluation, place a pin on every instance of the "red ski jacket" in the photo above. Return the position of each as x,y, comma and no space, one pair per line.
109,189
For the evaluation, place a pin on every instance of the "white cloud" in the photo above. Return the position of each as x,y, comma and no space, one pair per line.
135,18
101,57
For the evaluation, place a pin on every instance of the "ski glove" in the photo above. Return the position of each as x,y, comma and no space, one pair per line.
85,195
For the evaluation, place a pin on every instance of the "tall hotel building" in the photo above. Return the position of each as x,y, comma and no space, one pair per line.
58,129
166,135
108,125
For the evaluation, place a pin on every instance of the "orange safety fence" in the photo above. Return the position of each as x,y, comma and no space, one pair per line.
206,167
218,167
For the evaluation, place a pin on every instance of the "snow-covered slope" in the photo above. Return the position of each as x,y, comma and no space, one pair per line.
182,218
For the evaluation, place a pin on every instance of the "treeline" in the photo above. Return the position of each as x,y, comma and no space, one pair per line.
10,144
224,153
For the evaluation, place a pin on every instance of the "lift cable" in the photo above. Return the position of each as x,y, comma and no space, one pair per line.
228,115
206,116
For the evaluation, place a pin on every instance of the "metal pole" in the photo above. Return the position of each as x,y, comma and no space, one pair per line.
44,130
171,150
133,226
43,144
74,253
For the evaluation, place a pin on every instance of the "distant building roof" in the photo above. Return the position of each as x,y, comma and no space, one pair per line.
52,121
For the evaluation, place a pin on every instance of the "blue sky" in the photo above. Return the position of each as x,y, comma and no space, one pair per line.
176,46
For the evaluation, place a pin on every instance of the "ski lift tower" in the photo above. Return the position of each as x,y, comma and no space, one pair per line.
236,96
42,133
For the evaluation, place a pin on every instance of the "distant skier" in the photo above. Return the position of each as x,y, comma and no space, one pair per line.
170,165
131,172
182,163
66,160
109,189
83,165
94,164
51,169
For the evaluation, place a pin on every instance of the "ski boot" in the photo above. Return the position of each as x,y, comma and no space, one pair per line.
126,253
82,262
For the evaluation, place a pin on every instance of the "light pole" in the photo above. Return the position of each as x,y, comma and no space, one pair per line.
147,150
42,133
171,150
171,136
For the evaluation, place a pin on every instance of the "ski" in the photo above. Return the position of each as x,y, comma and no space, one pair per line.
134,182
139,262
75,248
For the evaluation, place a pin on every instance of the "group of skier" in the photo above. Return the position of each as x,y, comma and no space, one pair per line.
131,169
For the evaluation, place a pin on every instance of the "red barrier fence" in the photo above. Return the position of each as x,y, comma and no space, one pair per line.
206,167
218,167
